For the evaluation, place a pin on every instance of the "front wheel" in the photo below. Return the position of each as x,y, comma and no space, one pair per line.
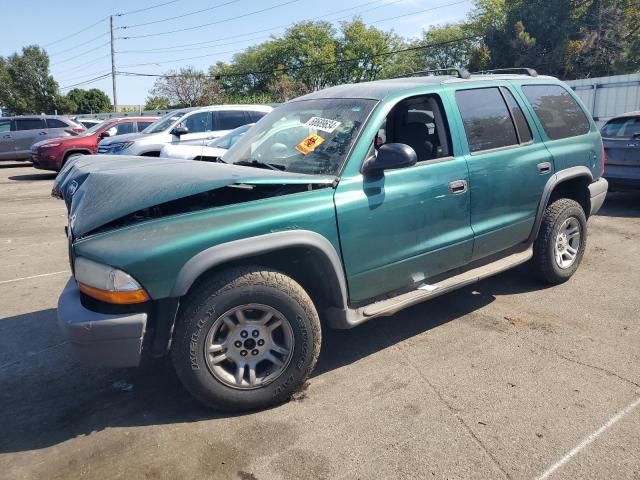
246,339
561,242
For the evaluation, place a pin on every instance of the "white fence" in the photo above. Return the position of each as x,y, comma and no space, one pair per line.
607,97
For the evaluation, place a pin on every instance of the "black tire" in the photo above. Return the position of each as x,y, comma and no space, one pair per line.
544,264
236,288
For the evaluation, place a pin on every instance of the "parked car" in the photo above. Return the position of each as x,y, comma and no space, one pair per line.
52,154
88,122
210,152
621,137
185,127
229,267
17,134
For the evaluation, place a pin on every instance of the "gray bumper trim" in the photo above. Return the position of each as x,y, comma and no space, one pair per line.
598,192
99,338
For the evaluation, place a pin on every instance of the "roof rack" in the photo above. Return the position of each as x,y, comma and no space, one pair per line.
459,72
529,71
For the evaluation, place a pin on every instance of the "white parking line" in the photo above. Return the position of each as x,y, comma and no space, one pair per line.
549,471
33,276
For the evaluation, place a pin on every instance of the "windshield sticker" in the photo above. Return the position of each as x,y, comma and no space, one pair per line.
309,144
323,124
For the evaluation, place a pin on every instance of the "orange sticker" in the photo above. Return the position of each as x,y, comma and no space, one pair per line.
309,144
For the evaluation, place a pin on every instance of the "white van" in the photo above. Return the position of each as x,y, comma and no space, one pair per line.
196,126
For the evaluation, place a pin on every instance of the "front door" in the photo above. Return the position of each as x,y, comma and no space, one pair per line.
199,125
28,131
508,168
400,229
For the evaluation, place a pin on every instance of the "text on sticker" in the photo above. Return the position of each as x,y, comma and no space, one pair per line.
324,124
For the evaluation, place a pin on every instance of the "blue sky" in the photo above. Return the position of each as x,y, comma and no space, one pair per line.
85,55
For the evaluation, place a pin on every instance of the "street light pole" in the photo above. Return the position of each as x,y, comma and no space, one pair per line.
113,68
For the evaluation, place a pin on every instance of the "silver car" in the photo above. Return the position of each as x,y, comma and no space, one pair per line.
18,133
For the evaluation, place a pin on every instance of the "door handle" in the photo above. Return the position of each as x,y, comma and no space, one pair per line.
544,168
6,136
42,133
458,186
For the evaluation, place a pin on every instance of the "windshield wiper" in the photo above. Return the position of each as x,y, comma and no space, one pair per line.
259,164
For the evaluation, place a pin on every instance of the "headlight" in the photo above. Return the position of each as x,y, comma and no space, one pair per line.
50,145
106,283
117,147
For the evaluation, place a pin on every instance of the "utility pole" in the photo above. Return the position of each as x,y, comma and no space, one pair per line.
113,68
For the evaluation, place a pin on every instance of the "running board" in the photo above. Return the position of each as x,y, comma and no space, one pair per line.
352,317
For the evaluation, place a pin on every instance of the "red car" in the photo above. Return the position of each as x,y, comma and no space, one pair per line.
51,154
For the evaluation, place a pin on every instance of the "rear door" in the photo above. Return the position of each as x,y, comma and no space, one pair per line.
28,131
141,125
56,128
621,137
6,138
508,167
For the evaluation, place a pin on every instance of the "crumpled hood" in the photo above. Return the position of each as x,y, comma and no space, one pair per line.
99,189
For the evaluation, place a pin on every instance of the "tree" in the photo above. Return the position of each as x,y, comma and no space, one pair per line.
25,83
156,103
187,88
284,89
89,101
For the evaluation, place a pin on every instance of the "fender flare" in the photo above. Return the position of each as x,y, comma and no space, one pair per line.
84,151
556,179
332,270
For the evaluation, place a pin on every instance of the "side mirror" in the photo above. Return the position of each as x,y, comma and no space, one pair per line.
179,131
390,156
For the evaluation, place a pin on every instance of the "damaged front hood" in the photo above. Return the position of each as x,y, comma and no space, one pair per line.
100,189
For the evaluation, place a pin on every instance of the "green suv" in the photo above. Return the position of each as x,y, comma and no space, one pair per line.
340,206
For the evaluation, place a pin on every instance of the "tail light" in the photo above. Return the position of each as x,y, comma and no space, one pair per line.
603,159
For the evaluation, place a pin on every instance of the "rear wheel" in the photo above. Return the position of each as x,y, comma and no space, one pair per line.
246,339
561,242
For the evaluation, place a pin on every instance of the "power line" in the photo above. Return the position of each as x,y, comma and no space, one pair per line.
179,16
315,65
80,45
420,11
177,60
69,74
75,57
131,12
212,23
86,82
216,40
75,33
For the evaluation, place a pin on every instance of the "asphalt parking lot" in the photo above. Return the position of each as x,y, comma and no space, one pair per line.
505,379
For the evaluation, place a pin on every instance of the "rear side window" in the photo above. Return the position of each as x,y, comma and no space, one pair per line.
30,123
228,120
55,123
5,125
624,127
124,127
486,119
524,132
559,113
255,116
143,125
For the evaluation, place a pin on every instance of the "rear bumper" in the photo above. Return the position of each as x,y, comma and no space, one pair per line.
597,192
97,338
621,177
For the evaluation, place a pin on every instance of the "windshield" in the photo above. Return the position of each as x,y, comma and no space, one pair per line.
625,127
230,139
305,136
164,122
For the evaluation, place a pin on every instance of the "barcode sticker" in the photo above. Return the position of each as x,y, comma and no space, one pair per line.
324,124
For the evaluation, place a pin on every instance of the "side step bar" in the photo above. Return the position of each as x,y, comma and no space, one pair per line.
353,317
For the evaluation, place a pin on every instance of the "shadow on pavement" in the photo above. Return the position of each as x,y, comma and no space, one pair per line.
47,399
621,204
34,176
13,164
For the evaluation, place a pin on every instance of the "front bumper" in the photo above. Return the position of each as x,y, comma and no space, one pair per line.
597,192
97,338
